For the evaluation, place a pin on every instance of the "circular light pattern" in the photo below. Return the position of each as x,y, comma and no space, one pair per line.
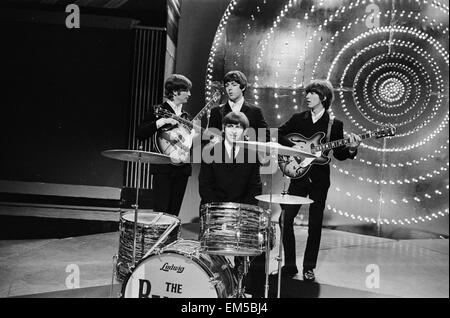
388,63
391,90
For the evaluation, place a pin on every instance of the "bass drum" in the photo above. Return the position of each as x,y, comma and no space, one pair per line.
180,270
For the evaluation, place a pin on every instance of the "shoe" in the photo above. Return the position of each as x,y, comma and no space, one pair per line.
287,270
308,275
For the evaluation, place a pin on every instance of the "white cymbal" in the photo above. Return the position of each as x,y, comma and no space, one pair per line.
284,199
137,156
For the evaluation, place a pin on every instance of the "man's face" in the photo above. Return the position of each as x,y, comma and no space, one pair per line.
181,97
313,100
233,90
233,132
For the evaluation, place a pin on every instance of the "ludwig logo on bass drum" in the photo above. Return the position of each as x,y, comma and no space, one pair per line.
166,267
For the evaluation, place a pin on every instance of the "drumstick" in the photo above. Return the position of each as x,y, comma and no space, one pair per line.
156,218
163,236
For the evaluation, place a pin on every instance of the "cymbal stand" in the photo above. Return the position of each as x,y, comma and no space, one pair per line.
266,286
136,206
279,258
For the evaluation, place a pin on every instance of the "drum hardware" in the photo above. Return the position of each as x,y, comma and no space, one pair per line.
138,156
242,271
164,235
283,198
114,269
153,231
215,279
275,149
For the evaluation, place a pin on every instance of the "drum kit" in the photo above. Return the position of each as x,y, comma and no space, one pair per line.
153,261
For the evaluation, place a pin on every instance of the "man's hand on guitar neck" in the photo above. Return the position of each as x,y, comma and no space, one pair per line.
355,140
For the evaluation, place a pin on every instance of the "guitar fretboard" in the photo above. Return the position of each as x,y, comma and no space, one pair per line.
184,121
341,142
197,117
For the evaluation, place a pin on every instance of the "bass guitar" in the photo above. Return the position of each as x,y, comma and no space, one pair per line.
176,141
296,167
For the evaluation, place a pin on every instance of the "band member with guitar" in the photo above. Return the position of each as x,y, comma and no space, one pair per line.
315,179
169,180
234,178
235,83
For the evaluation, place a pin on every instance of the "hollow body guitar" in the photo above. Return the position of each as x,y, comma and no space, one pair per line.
296,167
176,141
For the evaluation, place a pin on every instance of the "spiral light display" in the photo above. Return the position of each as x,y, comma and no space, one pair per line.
388,62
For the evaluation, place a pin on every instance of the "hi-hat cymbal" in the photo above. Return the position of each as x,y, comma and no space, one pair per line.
274,146
284,199
137,155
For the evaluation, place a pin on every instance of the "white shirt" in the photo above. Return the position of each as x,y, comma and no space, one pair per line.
315,117
236,106
176,109
229,147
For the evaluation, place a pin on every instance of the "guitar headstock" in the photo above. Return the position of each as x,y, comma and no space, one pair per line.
385,131
216,96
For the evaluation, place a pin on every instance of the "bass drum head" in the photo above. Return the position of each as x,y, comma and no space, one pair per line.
171,275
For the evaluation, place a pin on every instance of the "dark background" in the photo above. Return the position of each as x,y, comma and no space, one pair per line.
65,97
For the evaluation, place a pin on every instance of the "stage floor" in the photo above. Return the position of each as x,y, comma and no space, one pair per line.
349,265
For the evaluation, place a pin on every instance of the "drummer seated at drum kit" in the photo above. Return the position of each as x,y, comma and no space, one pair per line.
231,174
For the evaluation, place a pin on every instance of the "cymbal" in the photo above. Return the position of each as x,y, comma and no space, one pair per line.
284,199
137,155
280,149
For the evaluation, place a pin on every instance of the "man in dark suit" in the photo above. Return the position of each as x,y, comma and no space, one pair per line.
232,175
235,84
315,183
169,181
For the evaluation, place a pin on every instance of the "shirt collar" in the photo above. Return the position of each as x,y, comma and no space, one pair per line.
176,109
228,147
315,117
236,106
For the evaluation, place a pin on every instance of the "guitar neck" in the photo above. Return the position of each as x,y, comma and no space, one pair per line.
341,142
202,112
188,123
197,117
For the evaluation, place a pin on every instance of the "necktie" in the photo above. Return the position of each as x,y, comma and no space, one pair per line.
233,152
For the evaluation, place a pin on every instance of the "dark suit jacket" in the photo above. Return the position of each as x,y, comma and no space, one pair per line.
229,182
147,129
301,123
253,113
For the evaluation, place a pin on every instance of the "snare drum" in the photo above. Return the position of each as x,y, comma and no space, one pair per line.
181,270
233,229
150,227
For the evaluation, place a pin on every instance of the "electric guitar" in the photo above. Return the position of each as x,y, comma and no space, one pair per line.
176,141
296,167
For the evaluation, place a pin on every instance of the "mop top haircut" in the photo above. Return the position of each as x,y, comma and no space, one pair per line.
176,83
236,118
324,89
236,76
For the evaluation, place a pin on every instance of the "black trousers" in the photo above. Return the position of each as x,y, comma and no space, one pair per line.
317,192
168,192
